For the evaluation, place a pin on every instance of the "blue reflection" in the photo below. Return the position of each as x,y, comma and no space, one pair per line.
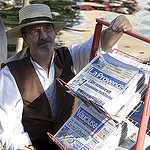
145,22
145,32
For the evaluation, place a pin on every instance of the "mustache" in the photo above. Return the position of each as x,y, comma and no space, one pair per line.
47,40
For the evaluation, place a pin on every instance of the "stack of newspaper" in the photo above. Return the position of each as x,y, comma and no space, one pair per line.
109,85
140,94
130,140
86,129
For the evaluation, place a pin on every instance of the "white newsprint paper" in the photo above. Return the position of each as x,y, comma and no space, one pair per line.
86,129
107,80
128,59
117,87
131,138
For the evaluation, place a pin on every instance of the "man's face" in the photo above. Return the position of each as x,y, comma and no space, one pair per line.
40,38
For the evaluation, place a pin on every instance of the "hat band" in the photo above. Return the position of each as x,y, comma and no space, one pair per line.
28,20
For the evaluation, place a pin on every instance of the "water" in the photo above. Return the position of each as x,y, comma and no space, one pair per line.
145,22
145,32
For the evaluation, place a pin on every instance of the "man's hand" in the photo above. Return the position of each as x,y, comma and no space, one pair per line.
113,33
30,147
119,24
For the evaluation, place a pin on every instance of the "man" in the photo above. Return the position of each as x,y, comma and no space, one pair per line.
32,102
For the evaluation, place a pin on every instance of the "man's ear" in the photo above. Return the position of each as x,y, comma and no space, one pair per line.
25,41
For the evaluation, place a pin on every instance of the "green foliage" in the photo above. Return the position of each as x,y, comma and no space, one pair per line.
63,9
10,17
65,14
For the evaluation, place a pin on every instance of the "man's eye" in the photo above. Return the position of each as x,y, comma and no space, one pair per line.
48,28
34,31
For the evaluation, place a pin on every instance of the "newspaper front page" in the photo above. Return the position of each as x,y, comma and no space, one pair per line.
86,129
118,87
107,80
128,59
132,61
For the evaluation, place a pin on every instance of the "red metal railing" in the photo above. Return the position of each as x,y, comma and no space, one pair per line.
146,109
97,35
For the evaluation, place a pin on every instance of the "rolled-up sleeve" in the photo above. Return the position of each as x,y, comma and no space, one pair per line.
80,54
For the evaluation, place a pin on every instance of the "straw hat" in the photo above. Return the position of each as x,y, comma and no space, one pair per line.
34,14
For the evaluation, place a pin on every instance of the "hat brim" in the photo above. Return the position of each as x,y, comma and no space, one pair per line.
15,32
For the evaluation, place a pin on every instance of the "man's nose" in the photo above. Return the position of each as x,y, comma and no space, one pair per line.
43,34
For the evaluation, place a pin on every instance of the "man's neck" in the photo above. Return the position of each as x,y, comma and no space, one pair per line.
44,61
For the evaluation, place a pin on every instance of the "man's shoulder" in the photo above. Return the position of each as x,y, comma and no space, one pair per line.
20,55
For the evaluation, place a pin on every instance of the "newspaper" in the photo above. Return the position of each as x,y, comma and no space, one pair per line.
107,81
131,60
118,87
86,129
130,141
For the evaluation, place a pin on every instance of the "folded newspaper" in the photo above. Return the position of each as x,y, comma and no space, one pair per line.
118,88
86,129
107,82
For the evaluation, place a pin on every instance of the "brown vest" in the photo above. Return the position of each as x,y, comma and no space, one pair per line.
37,117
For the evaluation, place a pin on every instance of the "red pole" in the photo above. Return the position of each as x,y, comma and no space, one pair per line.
146,109
144,121
97,35
133,34
96,38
